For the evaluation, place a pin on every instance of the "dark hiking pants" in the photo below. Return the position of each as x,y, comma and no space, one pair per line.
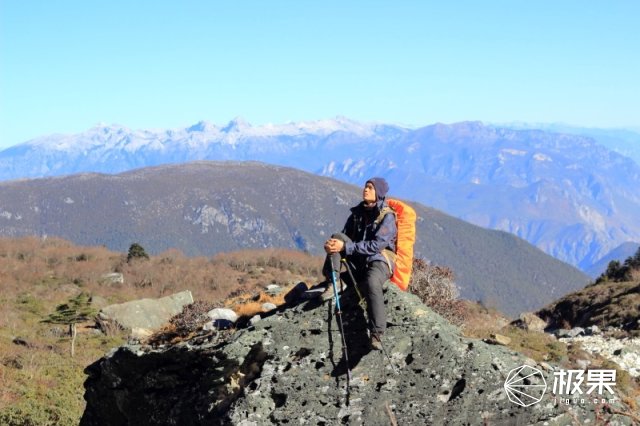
370,279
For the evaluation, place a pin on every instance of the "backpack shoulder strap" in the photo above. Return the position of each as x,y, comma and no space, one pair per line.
383,212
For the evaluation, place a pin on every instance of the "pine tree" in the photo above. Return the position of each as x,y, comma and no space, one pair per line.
635,260
136,251
77,309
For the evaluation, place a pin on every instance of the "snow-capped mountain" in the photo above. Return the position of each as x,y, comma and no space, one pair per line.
566,194
112,149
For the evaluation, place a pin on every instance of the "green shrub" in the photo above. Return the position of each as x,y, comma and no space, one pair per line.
53,398
30,412
29,303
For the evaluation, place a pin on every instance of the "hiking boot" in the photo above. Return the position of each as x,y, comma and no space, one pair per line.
328,293
376,342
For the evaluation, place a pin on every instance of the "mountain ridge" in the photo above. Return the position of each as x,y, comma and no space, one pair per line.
202,208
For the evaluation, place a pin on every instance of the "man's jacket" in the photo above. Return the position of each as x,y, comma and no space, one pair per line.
368,239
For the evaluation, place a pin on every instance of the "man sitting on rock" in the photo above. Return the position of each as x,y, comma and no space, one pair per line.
368,242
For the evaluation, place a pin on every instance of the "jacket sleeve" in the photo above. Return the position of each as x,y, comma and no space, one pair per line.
385,234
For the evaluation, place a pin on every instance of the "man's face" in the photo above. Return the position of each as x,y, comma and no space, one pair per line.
369,193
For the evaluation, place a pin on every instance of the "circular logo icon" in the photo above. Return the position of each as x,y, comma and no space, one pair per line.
525,385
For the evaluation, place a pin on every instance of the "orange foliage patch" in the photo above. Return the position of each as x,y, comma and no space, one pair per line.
247,305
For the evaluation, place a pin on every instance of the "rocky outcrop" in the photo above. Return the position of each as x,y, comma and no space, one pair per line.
289,368
530,321
612,303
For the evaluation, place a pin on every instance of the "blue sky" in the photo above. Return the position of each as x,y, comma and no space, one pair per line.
68,65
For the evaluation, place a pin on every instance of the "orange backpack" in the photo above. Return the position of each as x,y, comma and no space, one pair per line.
406,224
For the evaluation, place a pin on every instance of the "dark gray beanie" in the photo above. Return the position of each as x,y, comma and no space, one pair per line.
381,186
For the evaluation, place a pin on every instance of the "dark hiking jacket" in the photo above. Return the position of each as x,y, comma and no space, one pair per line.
369,239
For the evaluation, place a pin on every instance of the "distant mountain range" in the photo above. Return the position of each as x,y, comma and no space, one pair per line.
622,141
204,208
565,193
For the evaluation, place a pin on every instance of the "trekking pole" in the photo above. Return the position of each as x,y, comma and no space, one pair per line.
363,305
345,351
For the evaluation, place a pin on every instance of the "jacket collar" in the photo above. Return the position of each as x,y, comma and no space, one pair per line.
361,209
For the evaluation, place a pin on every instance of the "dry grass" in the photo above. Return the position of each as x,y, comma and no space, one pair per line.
41,271
40,383
436,288
480,321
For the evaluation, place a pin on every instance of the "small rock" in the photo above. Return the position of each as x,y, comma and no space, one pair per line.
223,314
419,312
209,326
442,397
583,363
576,331
498,339
113,278
140,334
273,289
255,319
592,330
547,367
266,307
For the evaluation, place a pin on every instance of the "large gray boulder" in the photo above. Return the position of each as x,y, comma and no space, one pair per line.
148,314
288,368
532,322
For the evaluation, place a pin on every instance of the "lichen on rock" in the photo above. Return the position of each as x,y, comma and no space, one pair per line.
289,368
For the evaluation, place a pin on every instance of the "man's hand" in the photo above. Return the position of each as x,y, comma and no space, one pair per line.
333,246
